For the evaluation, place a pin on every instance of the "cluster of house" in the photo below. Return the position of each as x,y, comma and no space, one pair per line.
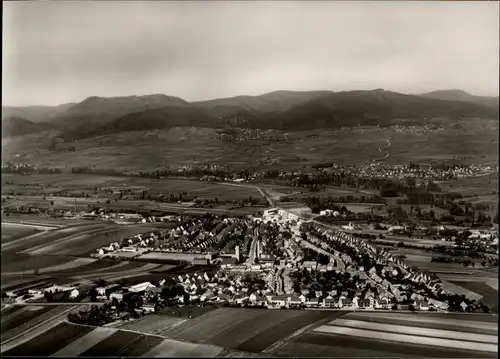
393,265
186,242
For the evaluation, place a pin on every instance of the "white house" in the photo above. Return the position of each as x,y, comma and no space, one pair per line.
141,287
117,295
74,294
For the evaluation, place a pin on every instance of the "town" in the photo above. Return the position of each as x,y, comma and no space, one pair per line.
274,261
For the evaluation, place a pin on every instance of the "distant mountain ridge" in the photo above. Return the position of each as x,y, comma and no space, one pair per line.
286,110
35,113
460,95
18,126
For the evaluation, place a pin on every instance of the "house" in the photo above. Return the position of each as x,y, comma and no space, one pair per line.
355,302
141,287
223,297
312,302
240,297
206,277
33,292
279,300
116,295
148,308
207,295
302,298
253,297
438,304
74,294
294,301
365,303
381,303
421,305
345,303
329,303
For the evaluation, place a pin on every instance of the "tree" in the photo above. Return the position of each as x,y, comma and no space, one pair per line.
93,295
101,283
486,309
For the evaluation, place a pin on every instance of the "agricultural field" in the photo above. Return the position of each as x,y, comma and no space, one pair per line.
12,232
18,321
72,340
62,253
47,184
238,332
472,186
190,146
372,334
154,324
489,294
250,330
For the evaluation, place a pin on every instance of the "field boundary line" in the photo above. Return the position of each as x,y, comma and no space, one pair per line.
28,338
118,329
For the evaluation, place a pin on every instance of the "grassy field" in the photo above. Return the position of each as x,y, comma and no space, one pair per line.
188,146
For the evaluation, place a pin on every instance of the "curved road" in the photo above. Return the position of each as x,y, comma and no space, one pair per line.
386,147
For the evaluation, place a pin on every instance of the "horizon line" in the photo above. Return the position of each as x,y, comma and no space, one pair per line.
243,95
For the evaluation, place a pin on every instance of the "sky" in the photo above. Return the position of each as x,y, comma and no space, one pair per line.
58,52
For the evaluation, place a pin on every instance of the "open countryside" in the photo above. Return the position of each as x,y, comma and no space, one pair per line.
250,179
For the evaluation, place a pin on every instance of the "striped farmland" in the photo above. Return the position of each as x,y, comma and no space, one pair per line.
400,334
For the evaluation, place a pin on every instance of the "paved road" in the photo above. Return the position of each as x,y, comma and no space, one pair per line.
261,191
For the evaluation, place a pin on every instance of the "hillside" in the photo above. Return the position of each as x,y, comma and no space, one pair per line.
35,113
369,108
275,101
459,95
284,110
18,126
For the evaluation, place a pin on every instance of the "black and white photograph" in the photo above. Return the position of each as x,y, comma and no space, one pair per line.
250,179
